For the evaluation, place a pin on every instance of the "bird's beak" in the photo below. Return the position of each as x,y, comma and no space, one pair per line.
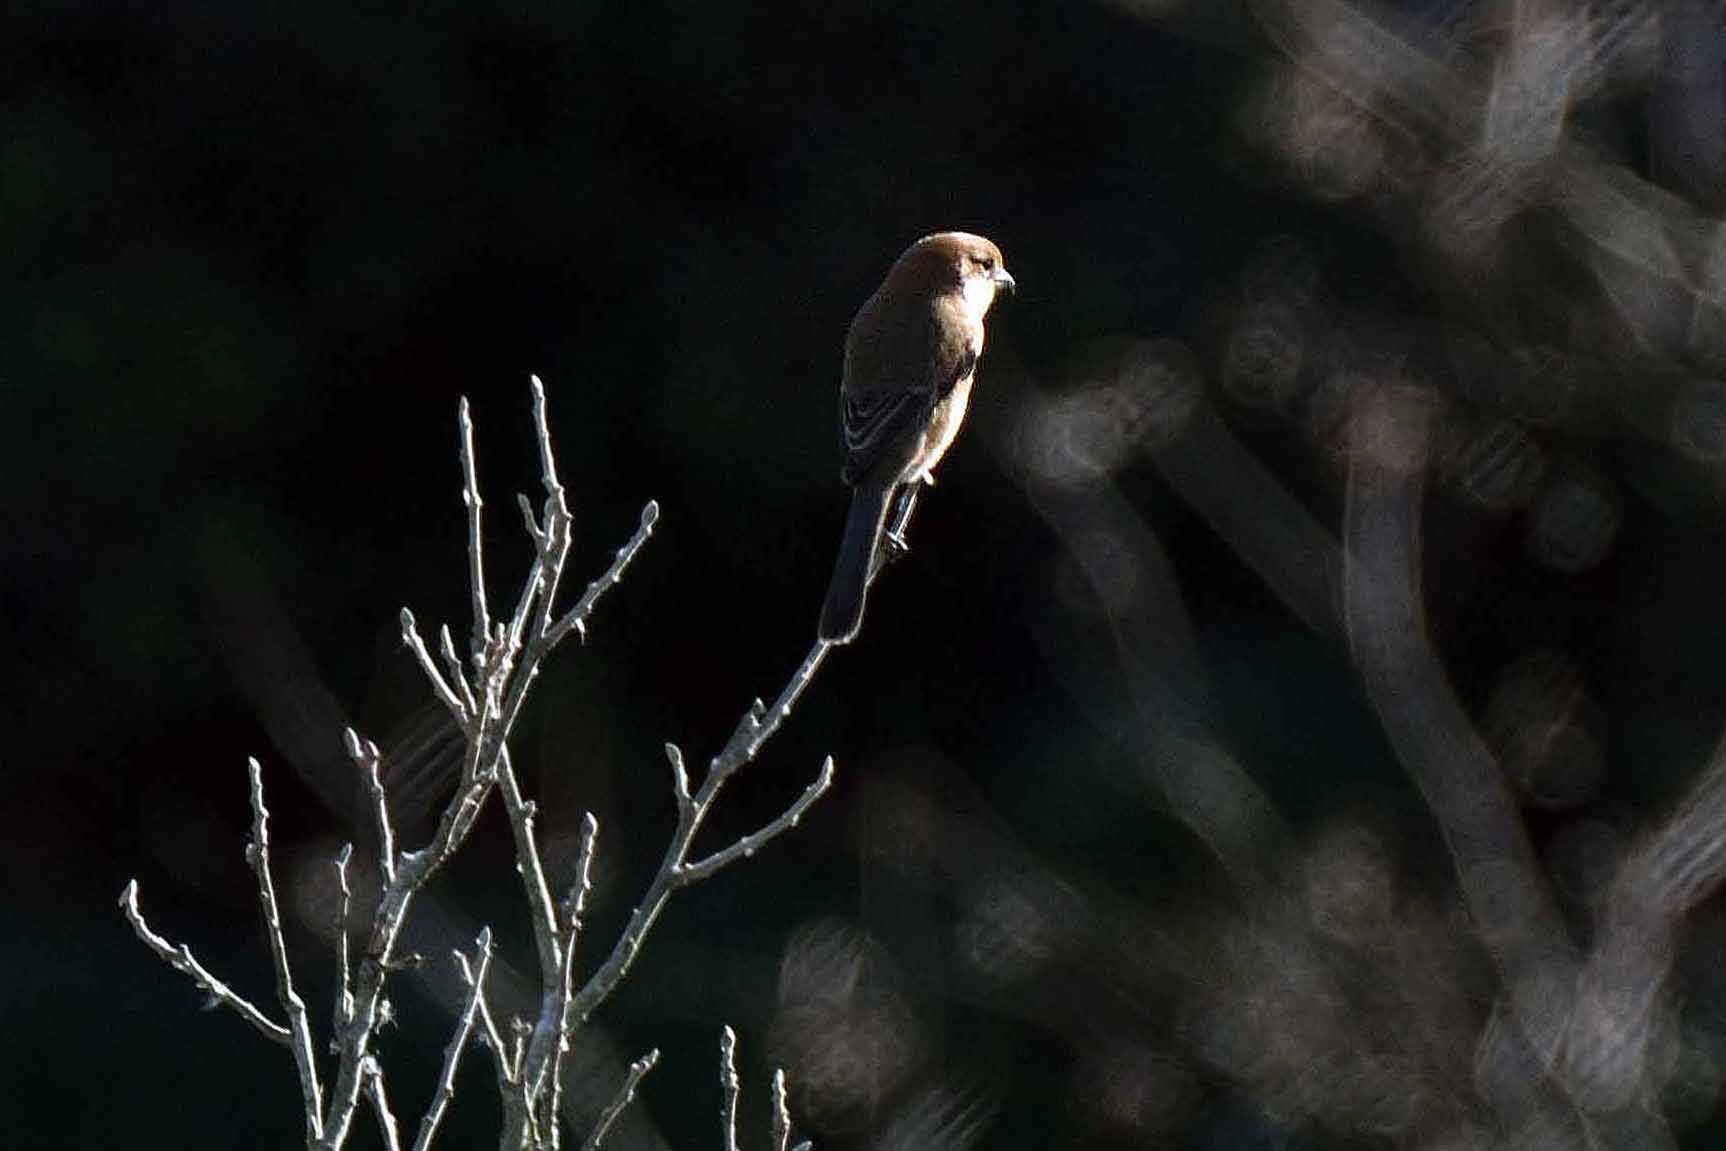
1004,281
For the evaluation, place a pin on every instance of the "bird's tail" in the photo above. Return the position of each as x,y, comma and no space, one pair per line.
842,613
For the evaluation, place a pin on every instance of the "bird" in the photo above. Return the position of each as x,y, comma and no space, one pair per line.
910,361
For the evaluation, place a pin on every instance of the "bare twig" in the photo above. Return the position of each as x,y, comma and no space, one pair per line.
531,868
344,972
475,542
457,1043
488,1026
181,959
258,855
756,727
555,535
576,618
624,1097
747,846
574,907
781,1112
575,903
534,531
416,644
374,1078
452,666
521,1031
365,755
728,1089
679,776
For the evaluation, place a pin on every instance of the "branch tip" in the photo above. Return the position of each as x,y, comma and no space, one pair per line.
781,1112
679,774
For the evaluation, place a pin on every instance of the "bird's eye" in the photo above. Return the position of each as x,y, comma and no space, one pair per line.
985,262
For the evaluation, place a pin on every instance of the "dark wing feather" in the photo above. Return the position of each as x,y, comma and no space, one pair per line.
873,421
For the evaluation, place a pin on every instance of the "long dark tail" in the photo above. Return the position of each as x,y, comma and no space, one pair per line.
842,613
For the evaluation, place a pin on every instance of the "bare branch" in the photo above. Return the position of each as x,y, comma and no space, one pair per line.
530,521
531,868
181,959
756,727
518,1049
417,645
679,776
576,619
457,1043
492,1038
373,1073
258,854
759,723
574,906
365,755
475,544
750,844
344,972
781,1112
575,903
728,1088
452,666
624,1097
542,434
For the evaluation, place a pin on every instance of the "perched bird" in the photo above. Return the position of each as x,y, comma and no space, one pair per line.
910,358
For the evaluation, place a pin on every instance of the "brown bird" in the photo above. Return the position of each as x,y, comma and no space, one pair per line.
910,358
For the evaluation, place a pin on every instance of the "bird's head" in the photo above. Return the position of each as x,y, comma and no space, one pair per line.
957,262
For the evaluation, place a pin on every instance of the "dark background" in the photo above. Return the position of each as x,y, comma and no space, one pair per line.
253,254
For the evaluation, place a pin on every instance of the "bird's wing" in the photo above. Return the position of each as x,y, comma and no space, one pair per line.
875,420
887,398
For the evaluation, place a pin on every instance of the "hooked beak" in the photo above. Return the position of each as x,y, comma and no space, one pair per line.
1004,281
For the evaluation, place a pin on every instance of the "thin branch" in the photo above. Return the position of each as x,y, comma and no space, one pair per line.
781,1112
750,844
535,591
530,521
624,1097
452,666
181,959
457,1044
758,724
728,1088
530,867
576,618
258,854
373,1073
344,972
575,903
416,644
542,435
365,755
475,543
756,727
490,1035
555,538
518,1048
679,776
413,869
574,907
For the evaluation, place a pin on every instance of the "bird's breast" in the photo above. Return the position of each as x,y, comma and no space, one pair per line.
944,424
